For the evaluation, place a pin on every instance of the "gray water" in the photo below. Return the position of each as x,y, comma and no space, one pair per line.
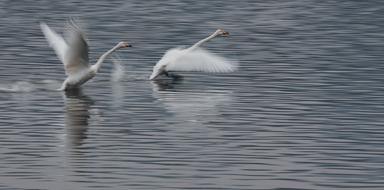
304,111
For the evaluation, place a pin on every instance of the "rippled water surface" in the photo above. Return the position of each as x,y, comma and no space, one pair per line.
304,111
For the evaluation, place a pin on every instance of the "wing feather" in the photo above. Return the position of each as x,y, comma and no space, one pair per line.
77,55
197,60
55,41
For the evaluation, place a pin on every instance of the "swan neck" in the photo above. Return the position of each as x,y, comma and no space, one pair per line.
97,66
199,43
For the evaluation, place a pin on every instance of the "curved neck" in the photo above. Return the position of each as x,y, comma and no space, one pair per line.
199,43
97,65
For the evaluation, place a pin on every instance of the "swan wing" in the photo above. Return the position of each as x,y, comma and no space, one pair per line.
197,60
55,41
76,57
72,52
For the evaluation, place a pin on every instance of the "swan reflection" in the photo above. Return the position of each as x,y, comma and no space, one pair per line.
77,106
190,104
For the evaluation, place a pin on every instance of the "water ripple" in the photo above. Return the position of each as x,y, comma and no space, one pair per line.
304,111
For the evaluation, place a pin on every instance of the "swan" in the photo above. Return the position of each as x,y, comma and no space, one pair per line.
193,58
73,53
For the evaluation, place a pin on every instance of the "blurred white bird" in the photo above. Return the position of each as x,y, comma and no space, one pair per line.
193,59
73,53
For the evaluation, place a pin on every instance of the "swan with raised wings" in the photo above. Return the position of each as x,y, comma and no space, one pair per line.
73,53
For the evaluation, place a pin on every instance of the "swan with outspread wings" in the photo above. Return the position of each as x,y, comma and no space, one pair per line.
193,58
73,53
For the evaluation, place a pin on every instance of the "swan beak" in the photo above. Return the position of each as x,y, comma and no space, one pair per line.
154,75
225,34
129,45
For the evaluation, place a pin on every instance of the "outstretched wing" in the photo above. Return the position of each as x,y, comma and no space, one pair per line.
76,58
72,52
198,60
55,41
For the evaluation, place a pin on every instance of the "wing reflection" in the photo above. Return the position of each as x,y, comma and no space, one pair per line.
77,116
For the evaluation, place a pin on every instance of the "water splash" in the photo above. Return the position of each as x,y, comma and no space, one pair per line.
21,86
118,70
120,73
25,86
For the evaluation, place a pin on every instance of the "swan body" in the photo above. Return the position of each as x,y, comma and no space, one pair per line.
73,53
193,58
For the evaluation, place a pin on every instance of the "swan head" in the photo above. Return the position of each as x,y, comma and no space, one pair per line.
124,45
221,33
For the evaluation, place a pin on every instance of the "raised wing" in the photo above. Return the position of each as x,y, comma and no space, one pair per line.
72,52
197,60
76,58
55,41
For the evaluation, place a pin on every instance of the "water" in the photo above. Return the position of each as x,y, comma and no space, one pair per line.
304,111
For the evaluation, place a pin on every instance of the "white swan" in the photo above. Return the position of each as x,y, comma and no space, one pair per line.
193,59
73,53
